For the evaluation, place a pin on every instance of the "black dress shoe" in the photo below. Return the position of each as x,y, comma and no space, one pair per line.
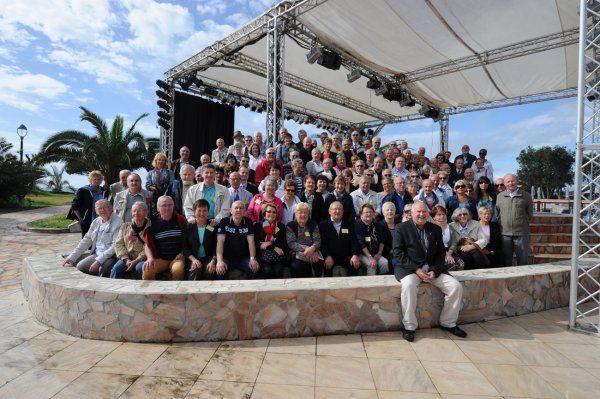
409,335
456,331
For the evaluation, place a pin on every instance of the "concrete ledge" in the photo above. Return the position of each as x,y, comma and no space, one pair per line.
163,311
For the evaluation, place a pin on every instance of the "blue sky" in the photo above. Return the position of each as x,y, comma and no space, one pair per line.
106,56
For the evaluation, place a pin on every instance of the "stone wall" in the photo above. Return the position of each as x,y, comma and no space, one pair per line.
162,311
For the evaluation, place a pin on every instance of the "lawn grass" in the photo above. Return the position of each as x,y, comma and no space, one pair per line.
58,221
40,199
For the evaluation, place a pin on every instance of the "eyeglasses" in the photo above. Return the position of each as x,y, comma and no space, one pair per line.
460,186
483,182
414,176
499,185
443,178
290,190
359,166
387,175
407,211
463,214
270,212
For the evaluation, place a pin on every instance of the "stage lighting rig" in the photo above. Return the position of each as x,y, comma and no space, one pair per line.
164,105
164,96
373,84
163,85
314,54
330,60
430,112
382,90
354,75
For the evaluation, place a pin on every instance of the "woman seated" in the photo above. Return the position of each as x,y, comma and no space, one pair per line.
467,240
271,243
268,197
304,241
129,246
370,238
438,214
492,233
199,248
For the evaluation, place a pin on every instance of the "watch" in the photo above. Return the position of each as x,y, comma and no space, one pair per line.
252,258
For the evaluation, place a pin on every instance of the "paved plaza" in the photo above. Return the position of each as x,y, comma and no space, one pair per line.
530,356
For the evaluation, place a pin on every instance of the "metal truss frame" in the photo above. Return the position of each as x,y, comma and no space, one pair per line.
166,135
444,127
257,67
275,80
504,53
584,303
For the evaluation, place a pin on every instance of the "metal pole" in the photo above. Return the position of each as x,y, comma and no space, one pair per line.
444,127
578,158
22,148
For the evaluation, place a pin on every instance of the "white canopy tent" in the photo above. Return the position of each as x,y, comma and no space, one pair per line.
453,56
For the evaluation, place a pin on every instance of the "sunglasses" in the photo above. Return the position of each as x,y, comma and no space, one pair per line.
460,186
407,211
414,176
443,178
290,190
499,185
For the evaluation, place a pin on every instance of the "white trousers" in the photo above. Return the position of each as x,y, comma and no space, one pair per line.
451,288
382,266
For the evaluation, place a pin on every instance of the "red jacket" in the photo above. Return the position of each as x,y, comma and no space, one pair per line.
262,170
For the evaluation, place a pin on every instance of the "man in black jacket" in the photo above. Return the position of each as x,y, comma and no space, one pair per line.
338,244
419,250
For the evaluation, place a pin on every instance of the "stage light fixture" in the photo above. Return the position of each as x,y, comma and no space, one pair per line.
164,105
239,102
354,75
163,85
163,95
382,90
373,84
330,60
209,91
164,124
164,115
224,100
314,54
430,112
253,108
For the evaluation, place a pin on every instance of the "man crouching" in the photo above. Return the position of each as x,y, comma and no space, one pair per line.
419,250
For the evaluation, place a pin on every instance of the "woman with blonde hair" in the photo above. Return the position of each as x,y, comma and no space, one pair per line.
160,178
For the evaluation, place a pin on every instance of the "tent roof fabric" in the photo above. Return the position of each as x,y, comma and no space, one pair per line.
513,48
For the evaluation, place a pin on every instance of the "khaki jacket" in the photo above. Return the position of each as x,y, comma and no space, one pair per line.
130,249
120,204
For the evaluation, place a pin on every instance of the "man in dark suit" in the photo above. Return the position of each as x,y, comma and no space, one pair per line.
466,156
338,244
399,196
419,251
245,184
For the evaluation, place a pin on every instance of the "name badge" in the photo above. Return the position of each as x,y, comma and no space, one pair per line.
209,227
132,238
277,230
367,239
344,231
257,202
307,234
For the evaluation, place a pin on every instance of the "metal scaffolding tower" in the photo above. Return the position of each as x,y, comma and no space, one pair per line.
444,127
275,71
584,305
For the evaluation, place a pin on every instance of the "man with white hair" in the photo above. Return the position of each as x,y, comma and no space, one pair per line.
515,210
179,188
119,186
419,248
124,200
364,195
101,238
220,153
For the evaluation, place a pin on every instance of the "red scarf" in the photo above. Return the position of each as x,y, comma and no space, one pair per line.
269,229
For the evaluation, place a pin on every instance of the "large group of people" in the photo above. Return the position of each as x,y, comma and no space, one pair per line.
334,208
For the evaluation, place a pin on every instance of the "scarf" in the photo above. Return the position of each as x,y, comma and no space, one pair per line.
269,229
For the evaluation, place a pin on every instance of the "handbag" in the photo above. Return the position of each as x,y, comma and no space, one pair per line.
270,256
484,252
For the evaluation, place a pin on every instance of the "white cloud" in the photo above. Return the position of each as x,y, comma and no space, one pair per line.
211,7
210,33
28,91
238,19
258,5
155,25
106,66
67,20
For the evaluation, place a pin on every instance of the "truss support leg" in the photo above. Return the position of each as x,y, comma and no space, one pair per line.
584,297
444,126
275,70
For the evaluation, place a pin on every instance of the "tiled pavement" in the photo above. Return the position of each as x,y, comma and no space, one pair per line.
531,356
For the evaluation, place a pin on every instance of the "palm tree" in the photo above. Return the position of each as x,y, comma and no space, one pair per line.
55,183
108,150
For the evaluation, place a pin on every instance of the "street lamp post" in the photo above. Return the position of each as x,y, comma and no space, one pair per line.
22,132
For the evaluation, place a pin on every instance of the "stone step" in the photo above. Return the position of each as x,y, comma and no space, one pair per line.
550,228
558,238
546,248
548,258
540,218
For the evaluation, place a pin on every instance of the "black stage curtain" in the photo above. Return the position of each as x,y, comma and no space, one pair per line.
199,123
